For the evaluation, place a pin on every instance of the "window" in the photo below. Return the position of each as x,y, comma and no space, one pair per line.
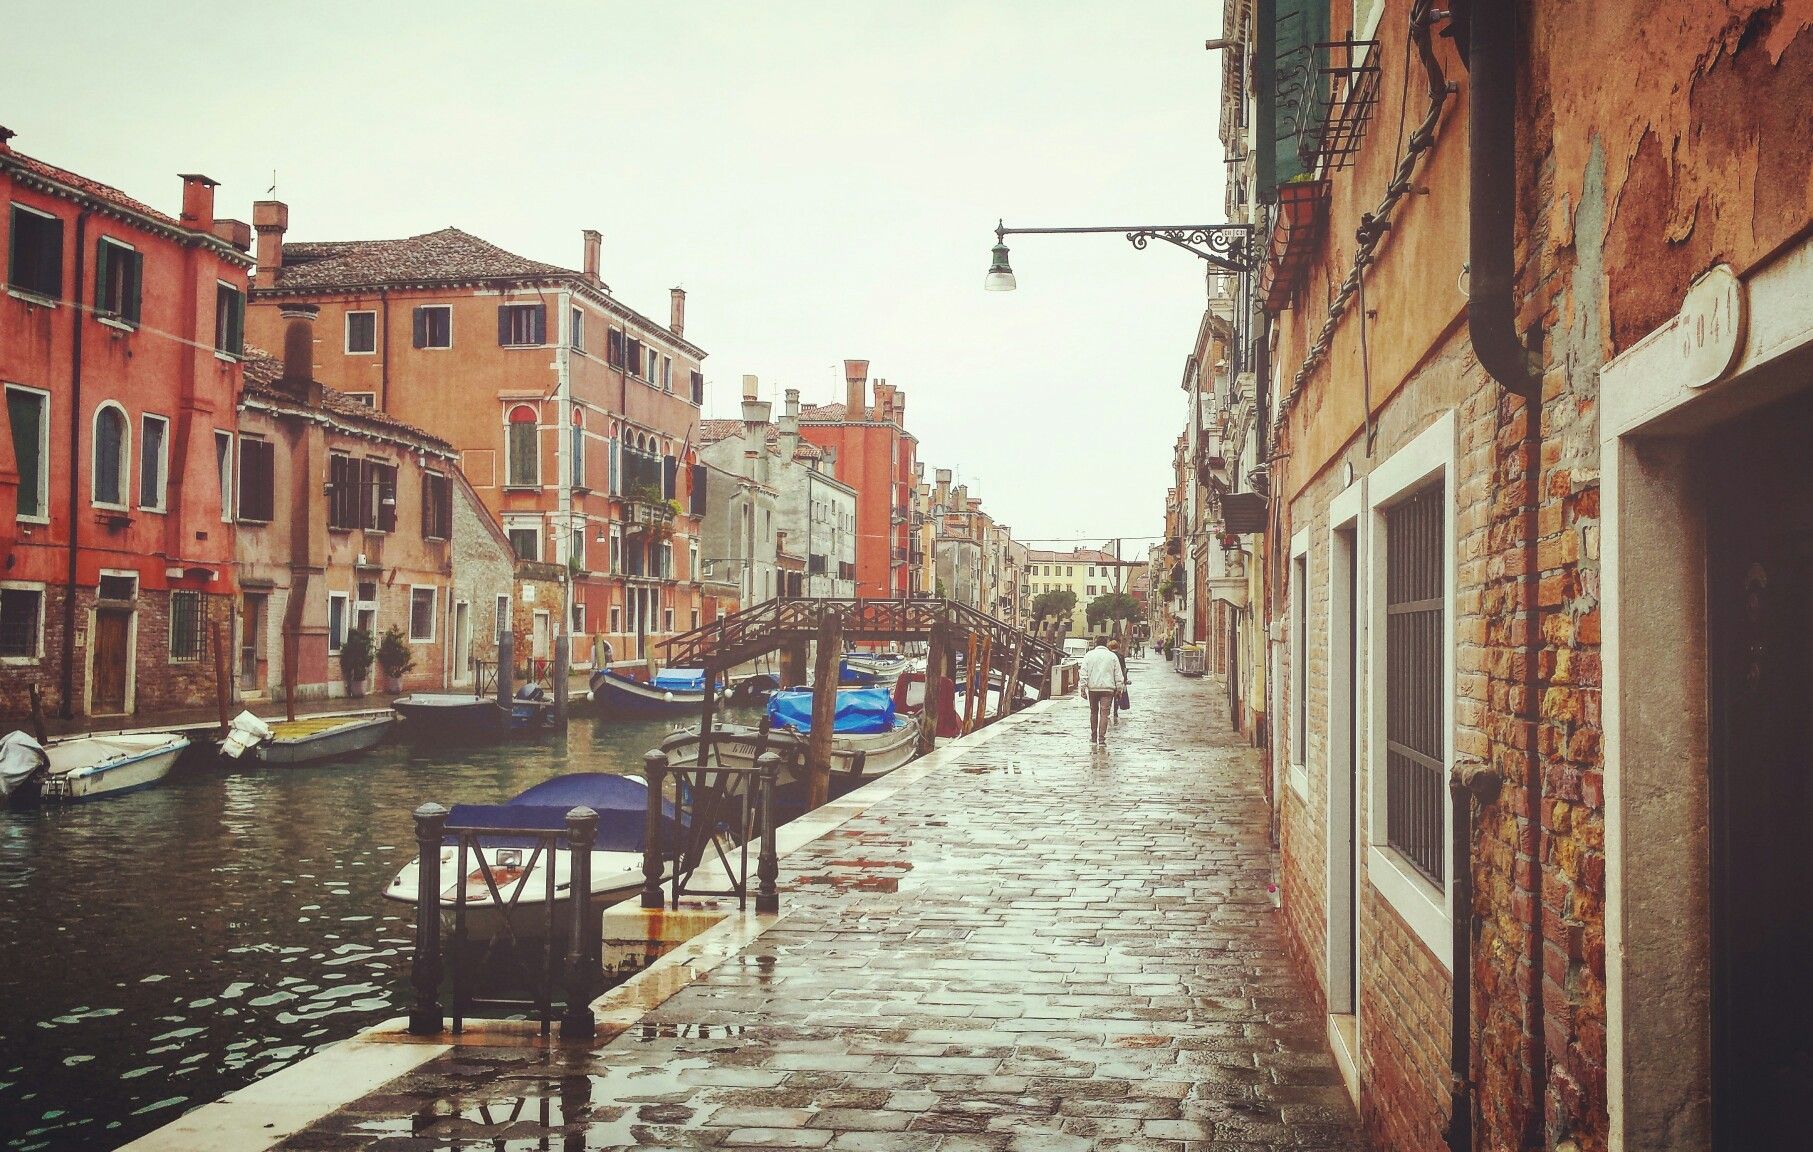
526,543
613,348
632,355
1414,668
336,621
692,560
369,399
361,333
35,263
256,480
578,619
522,325
576,334
698,387
223,467
576,469
28,412
342,492
421,615
501,624
667,374
616,619
111,449
378,506
576,548
1299,663
695,619
229,319
437,506
667,561
434,326
118,270
616,549
651,372
667,618
21,622
522,448
153,464
188,640
117,586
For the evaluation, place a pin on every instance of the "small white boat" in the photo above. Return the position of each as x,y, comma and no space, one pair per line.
885,667
672,692
312,739
90,767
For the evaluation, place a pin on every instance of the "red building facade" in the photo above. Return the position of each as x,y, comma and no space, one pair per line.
120,341
874,455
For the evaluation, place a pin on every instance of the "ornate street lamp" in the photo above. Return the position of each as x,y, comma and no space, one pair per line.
1226,246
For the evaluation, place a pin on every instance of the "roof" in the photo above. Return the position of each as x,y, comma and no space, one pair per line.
712,431
94,188
1079,556
263,370
822,413
447,255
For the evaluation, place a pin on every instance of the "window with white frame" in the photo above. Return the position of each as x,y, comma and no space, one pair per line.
522,325
229,319
522,448
667,619
118,272
369,399
223,467
433,326
421,615
35,254
667,374
576,546
336,621
153,455
578,618
525,539
28,414
361,333
188,637
21,622
112,456
616,548
576,451
576,337
616,619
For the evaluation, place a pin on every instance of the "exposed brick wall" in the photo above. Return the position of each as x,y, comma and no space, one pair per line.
1404,1024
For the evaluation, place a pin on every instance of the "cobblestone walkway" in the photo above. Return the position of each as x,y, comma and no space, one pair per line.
1037,947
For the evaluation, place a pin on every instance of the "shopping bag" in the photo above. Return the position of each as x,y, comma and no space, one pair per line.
1126,700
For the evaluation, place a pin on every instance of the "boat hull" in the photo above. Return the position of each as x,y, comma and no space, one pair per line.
349,739
113,776
443,718
620,696
736,746
616,877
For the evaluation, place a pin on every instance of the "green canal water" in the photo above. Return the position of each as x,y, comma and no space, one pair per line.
162,948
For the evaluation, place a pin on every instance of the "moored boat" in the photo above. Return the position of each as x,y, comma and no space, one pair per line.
314,739
519,874
449,716
671,692
885,667
865,722
90,767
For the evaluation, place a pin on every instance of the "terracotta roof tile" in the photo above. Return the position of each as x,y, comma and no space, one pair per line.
94,188
712,431
449,254
263,370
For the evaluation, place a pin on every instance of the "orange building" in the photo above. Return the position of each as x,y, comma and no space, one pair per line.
120,334
874,455
574,415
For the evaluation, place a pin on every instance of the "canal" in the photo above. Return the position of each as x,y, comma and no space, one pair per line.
162,948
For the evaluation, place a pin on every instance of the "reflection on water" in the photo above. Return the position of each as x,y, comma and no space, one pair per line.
160,949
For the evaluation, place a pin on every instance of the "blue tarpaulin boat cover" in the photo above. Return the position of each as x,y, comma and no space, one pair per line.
857,677
620,801
859,710
680,680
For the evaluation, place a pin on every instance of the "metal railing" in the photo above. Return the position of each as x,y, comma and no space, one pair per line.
705,796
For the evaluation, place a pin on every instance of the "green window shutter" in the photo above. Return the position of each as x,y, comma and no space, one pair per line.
1293,89
135,269
102,251
25,411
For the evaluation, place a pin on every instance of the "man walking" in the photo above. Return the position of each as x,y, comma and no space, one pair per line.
1103,680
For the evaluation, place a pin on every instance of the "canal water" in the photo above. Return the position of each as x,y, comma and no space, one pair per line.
162,948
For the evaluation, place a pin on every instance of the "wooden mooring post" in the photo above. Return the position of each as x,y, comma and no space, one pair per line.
1010,688
935,651
824,709
223,694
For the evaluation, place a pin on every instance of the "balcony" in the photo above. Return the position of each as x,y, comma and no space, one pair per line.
649,518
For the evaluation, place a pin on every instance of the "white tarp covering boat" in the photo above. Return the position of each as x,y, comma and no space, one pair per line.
89,767
23,764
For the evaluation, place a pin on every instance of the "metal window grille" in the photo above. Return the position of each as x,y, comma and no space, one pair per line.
188,639
20,611
1414,737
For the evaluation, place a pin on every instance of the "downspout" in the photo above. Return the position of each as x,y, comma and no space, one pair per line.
67,711
1489,35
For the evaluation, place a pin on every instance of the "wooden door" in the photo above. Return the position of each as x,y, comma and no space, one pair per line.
112,635
1761,613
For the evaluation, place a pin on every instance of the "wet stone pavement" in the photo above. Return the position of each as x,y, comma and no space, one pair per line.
1035,947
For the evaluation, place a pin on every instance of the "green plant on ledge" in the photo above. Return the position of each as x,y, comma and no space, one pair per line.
355,657
394,656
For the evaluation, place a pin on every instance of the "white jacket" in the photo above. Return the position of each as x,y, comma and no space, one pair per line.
1102,671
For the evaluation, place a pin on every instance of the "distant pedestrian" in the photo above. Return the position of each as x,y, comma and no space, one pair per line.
1103,679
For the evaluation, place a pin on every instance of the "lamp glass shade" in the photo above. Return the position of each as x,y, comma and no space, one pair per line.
1000,276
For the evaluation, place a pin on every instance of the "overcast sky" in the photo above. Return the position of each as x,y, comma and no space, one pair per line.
822,178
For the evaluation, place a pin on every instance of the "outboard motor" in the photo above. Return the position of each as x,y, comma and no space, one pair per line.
23,767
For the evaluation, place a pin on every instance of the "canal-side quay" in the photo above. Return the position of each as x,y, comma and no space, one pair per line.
1015,942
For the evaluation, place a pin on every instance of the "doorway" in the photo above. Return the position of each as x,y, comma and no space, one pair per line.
1760,618
251,643
462,642
112,654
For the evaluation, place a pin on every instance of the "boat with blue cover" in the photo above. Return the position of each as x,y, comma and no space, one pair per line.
519,873
670,692
865,722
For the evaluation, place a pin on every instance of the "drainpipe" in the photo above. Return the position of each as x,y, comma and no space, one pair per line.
67,711
1491,55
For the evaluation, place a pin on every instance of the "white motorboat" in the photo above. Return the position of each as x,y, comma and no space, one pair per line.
884,667
309,739
90,767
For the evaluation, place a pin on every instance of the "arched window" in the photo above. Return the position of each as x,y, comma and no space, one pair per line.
522,449
112,452
577,466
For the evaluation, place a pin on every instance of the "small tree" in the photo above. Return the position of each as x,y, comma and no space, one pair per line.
1112,607
393,653
355,657
1057,604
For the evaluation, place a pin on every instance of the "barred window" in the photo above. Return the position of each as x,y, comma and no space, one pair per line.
21,622
188,639
1415,614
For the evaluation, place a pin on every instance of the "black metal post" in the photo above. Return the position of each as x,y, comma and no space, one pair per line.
768,864
654,770
425,970
577,1022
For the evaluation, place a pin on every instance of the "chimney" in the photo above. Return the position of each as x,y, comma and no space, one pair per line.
198,202
299,352
6,138
235,232
792,409
594,243
676,311
789,427
270,219
899,408
755,413
943,476
856,382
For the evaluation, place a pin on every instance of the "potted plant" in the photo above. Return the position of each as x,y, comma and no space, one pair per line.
394,658
355,660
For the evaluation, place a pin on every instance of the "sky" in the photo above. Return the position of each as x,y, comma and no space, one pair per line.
822,178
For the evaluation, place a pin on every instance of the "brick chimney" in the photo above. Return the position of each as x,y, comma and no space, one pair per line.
594,245
298,377
943,493
6,139
676,311
198,201
270,219
789,426
755,412
856,382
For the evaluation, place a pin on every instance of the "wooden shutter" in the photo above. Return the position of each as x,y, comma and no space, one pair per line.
387,497
255,480
421,327
539,327
135,268
698,388
670,471
698,488
367,479
503,325
613,348
632,357
103,256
